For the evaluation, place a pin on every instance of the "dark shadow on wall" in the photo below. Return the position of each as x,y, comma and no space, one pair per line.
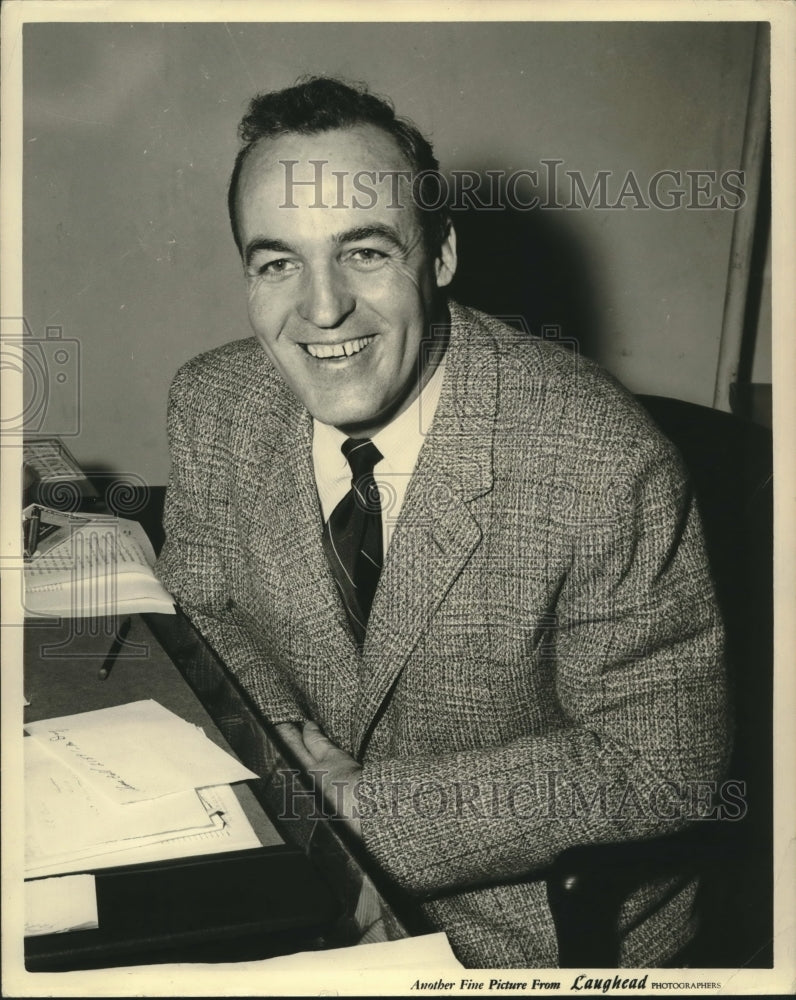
527,264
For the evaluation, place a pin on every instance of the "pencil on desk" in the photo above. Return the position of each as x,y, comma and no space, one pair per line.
35,525
32,527
26,537
113,652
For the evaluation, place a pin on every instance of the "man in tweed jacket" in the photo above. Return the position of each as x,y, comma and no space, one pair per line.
542,662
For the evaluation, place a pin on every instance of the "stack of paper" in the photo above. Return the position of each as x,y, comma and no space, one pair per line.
92,565
127,785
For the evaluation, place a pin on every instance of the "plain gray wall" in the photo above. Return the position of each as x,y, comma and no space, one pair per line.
130,134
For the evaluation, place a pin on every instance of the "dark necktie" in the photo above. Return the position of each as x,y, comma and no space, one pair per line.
352,535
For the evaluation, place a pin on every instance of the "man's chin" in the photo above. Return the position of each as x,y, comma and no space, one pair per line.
353,423
357,416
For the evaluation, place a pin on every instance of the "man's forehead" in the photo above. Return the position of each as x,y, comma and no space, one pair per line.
352,146
361,167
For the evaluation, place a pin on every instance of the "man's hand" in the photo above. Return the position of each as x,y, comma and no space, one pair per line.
339,772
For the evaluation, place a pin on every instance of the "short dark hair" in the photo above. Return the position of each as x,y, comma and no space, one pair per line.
320,104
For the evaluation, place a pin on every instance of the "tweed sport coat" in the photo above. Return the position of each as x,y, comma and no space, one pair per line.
543,661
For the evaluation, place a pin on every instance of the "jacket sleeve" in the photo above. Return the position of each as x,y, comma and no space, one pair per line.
638,671
199,544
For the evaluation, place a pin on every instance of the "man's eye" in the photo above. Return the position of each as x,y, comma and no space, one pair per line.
367,257
278,268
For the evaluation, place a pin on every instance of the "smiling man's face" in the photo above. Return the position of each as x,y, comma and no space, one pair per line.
341,286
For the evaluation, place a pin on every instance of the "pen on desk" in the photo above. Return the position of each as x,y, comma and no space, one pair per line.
113,652
34,523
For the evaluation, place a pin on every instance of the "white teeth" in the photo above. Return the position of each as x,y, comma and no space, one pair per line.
344,350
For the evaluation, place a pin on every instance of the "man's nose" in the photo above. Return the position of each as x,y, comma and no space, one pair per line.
326,299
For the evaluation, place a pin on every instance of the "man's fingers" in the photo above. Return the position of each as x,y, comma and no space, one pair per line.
291,734
308,744
315,742
341,764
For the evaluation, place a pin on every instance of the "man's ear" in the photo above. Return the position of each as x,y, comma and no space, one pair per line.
445,264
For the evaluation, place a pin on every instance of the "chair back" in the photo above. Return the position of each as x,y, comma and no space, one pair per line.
730,461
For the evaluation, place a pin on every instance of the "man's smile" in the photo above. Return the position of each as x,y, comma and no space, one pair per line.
345,349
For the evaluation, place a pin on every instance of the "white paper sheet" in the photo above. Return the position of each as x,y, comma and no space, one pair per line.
64,815
137,751
54,905
230,831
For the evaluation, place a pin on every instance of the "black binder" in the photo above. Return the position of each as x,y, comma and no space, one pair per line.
239,906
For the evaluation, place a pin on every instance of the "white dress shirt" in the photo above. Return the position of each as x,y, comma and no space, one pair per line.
399,443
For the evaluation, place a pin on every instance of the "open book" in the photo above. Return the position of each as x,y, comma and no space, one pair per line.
92,565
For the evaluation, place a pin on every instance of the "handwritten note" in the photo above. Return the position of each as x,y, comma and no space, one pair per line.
66,817
137,751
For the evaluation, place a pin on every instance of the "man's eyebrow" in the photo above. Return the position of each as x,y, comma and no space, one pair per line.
261,243
376,230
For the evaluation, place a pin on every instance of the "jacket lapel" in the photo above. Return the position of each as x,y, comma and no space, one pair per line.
436,532
288,534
